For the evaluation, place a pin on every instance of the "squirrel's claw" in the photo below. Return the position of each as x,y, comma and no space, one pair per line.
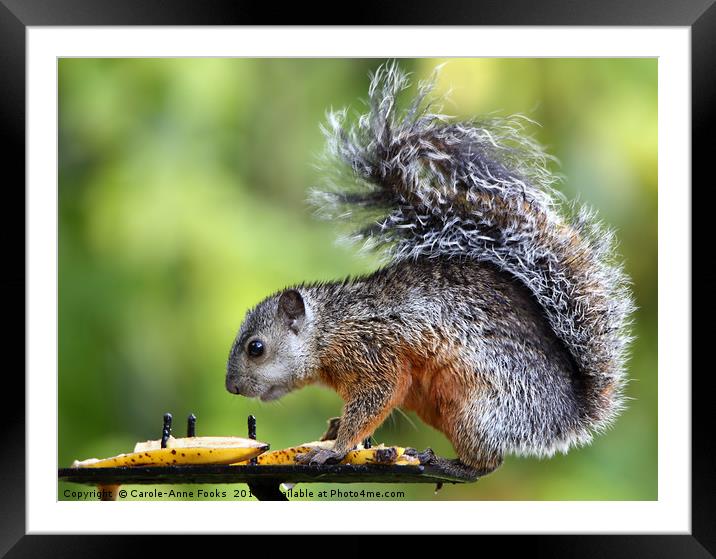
319,456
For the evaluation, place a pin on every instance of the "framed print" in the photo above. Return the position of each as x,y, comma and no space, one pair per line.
508,346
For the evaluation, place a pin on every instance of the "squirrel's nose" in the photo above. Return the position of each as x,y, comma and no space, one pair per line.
231,385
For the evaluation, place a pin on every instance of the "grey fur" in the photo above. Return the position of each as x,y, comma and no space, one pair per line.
483,190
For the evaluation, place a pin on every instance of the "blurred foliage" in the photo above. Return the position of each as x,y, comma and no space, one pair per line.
182,186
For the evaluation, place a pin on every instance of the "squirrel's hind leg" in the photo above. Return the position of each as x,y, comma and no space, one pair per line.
478,453
475,467
455,467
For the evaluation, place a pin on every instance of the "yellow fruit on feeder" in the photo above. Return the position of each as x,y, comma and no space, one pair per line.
360,456
185,451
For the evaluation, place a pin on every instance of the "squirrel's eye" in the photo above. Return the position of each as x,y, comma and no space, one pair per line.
255,348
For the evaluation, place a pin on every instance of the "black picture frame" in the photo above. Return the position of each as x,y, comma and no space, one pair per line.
17,15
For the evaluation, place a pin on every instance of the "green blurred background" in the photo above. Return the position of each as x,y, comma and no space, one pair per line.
181,204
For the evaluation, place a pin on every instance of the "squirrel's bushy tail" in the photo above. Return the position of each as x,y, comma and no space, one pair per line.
430,186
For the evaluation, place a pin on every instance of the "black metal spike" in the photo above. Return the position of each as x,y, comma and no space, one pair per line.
252,433
252,427
191,425
167,429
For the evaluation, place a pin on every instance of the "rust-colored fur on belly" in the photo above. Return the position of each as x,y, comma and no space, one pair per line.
437,390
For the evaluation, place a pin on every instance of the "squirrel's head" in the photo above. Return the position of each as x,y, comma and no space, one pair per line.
271,355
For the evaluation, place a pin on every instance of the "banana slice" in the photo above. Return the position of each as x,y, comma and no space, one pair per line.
287,456
381,455
190,450
375,455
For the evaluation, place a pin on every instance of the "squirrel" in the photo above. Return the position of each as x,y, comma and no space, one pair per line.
501,317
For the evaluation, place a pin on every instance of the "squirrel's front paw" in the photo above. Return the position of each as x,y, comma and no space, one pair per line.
318,456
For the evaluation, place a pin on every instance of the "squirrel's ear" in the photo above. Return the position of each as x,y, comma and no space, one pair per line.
291,309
